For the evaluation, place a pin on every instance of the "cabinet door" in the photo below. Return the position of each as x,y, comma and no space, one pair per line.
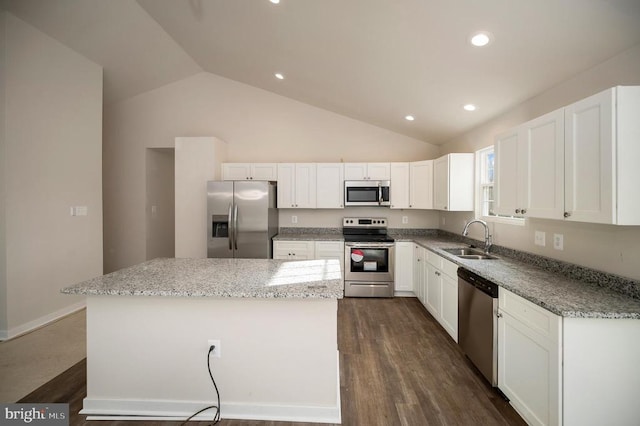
305,186
461,183
399,185
506,173
418,272
404,266
421,184
529,356
330,250
449,306
441,183
542,193
330,186
379,171
589,159
433,292
286,185
264,171
236,171
355,171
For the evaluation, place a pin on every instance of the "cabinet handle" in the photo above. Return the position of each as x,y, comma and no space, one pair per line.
437,273
445,207
499,315
523,211
517,211
567,214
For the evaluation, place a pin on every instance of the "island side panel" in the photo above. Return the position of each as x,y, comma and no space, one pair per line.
147,356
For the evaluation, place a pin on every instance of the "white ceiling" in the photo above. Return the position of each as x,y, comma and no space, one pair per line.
373,60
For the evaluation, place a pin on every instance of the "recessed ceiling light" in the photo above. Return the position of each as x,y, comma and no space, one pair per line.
469,107
279,76
409,117
275,1
480,38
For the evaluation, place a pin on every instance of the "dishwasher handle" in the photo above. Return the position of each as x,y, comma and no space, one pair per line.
482,284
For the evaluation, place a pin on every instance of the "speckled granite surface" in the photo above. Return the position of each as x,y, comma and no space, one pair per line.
309,234
237,278
560,294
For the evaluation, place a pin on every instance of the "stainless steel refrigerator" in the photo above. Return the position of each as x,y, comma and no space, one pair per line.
242,219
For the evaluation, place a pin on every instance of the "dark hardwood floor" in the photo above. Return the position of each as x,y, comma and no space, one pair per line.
397,367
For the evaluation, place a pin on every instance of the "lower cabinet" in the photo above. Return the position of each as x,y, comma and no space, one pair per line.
300,250
530,359
404,270
419,272
567,371
442,292
307,250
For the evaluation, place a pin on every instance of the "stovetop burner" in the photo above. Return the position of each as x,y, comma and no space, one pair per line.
365,229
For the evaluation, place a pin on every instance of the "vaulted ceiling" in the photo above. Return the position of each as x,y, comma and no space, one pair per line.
372,60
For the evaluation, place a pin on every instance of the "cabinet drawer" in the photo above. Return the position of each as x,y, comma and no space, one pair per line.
434,259
329,249
303,249
538,319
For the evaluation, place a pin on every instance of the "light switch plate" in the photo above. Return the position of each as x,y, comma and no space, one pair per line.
539,238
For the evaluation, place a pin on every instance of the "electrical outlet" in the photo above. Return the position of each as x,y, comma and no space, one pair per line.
558,241
217,351
405,219
294,219
539,238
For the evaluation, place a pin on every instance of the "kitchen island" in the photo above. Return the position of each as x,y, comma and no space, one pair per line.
149,329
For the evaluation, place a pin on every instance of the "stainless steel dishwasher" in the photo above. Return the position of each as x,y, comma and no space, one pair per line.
477,322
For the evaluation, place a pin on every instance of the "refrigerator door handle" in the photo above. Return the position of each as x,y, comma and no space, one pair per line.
235,227
230,223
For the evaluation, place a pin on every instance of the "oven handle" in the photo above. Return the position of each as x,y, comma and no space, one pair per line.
369,245
379,194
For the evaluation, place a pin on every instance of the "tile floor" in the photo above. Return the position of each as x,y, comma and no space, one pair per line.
32,359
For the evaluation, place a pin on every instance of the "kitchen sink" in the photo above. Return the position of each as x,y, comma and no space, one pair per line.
469,253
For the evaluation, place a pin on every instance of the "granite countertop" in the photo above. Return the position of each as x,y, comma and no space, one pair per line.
558,293
309,237
232,278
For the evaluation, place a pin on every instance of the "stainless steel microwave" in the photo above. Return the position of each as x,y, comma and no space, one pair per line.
367,193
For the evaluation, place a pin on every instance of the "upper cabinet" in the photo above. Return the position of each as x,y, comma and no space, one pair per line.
530,176
453,182
400,185
249,171
330,186
421,184
602,150
578,163
367,171
296,185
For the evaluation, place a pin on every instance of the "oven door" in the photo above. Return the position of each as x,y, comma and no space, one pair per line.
371,262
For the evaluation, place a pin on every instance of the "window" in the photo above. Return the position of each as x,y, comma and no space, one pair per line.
485,207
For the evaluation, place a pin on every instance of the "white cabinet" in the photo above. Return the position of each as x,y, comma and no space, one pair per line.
249,171
399,185
330,250
602,152
367,171
421,184
530,359
329,186
404,266
529,168
419,272
293,249
296,185
441,299
453,182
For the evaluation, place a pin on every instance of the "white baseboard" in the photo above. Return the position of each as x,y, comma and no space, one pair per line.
404,294
44,320
129,409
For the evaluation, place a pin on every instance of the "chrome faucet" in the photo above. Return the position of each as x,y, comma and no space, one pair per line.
487,237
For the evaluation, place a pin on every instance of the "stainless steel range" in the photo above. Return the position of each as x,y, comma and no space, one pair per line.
368,257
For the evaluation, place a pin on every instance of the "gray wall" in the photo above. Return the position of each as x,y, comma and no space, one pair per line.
52,161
